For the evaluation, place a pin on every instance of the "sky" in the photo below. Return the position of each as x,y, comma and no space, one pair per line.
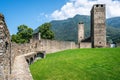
33,13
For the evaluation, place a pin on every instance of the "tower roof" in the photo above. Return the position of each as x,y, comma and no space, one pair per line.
96,6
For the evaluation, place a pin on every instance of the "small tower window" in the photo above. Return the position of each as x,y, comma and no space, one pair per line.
99,42
80,22
101,5
97,5
6,45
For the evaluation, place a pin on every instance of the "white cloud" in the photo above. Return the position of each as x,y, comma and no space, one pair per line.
83,7
43,17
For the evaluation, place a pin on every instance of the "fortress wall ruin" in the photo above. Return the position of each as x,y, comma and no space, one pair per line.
49,46
85,45
19,50
5,49
10,51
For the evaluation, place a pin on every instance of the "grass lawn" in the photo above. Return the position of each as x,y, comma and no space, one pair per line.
79,64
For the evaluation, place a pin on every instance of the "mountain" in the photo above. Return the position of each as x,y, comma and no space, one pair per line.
114,22
67,29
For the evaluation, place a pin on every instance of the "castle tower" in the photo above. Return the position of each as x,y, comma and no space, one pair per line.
80,32
98,26
5,60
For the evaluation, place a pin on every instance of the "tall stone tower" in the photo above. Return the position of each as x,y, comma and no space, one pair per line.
98,25
80,32
5,59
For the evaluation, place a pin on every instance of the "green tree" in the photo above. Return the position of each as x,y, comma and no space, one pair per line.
23,35
45,31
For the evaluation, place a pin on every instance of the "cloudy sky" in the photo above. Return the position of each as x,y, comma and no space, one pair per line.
33,13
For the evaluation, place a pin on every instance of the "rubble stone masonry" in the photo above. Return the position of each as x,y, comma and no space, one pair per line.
5,50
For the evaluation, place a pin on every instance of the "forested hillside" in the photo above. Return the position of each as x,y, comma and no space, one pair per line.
67,29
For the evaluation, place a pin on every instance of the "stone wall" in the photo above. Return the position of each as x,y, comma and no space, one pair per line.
19,50
49,46
85,45
5,50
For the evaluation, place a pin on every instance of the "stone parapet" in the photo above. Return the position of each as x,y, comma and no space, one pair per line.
20,69
5,50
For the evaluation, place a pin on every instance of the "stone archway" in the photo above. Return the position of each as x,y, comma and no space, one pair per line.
35,56
28,61
40,55
31,60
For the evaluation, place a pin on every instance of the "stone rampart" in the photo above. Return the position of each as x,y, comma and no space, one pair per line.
49,46
85,45
20,70
20,56
5,50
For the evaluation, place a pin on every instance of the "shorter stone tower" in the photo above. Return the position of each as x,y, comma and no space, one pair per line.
80,32
98,26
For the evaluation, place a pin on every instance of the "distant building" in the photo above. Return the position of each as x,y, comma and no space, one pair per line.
36,35
112,45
